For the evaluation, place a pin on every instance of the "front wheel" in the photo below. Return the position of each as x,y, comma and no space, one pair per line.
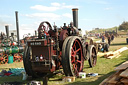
28,64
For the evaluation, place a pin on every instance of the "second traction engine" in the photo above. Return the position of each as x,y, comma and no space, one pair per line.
58,48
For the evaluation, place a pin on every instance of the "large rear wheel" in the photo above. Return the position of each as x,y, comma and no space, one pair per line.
72,57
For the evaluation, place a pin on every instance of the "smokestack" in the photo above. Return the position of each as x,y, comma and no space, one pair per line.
75,17
35,33
17,26
7,30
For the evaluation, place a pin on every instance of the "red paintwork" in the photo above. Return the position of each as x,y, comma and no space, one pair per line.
74,60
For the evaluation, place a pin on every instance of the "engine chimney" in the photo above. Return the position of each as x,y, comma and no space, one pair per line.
75,17
7,30
35,33
17,26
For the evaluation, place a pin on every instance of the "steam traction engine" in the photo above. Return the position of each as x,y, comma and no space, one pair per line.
9,47
58,48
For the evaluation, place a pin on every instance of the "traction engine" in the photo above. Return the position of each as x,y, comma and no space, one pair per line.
57,48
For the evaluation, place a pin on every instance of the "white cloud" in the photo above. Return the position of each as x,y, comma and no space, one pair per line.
68,15
25,26
26,32
46,16
55,4
3,23
25,29
97,1
5,16
44,8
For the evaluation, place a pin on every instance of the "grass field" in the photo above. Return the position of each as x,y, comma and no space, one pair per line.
104,68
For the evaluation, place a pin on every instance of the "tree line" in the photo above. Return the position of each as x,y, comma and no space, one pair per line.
123,26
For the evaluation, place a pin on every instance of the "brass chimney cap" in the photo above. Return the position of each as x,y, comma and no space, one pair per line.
74,9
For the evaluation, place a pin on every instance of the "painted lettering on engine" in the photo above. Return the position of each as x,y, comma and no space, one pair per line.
35,43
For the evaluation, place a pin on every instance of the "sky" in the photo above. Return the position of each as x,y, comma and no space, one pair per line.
91,14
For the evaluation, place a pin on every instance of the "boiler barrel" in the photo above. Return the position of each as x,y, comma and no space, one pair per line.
11,50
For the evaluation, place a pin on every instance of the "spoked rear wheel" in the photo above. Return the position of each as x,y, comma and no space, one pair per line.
73,57
92,55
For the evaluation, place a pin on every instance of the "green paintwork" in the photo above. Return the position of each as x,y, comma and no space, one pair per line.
13,49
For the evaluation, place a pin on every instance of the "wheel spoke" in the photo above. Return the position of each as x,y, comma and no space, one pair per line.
76,71
73,59
47,27
73,53
77,50
74,45
79,61
73,66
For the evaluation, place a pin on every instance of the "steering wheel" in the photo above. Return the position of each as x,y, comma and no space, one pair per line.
44,27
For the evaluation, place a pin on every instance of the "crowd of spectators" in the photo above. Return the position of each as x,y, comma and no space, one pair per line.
109,38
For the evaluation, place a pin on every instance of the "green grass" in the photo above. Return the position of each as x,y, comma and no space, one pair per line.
105,67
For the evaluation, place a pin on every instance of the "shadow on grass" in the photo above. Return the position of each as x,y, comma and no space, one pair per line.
96,82
100,79
118,44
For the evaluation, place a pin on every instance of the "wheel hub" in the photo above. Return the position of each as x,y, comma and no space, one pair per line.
76,57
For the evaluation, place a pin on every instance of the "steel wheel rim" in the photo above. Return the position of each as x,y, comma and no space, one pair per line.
18,57
93,57
76,57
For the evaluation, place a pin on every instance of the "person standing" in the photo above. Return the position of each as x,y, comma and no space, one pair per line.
109,39
112,37
103,38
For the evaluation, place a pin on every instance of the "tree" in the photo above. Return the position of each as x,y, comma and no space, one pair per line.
124,26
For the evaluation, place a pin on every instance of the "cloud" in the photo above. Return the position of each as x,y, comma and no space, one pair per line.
70,6
26,32
54,6
68,15
44,8
47,16
5,16
3,23
96,1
